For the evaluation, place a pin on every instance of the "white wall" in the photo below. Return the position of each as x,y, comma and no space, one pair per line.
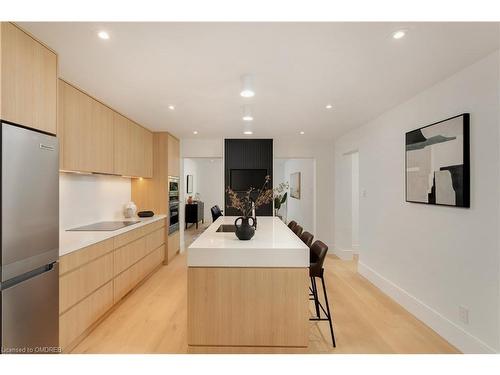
432,259
202,148
355,201
86,199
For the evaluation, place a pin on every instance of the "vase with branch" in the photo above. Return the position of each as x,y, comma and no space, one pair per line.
247,203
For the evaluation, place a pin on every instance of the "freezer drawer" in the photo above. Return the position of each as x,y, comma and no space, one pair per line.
30,314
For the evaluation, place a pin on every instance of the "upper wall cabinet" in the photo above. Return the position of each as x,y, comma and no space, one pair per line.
94,138
173,156
85,130
28,80
133,153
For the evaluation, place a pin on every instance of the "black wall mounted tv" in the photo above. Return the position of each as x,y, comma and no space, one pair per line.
244,179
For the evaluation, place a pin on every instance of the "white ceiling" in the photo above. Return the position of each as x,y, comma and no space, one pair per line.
297,67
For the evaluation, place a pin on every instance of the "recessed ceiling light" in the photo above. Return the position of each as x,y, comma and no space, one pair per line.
247,93
302,133
247,113
246,86
195,132
171,107
399,34
103,34
328,106
248,132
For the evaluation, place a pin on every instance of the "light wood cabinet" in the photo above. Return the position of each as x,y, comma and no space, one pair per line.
86,132
133,153
28,80
96,139
79,319
173,156
252,307
128,279
94,278
78,258
173,246
147,147
129,254
76,285
152,194
122,141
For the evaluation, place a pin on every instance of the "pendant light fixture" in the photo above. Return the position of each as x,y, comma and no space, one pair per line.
247,86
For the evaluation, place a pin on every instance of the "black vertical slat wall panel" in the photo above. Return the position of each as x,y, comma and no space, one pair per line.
248,154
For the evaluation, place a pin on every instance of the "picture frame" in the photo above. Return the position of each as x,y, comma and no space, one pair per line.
437,163
189,183
295,188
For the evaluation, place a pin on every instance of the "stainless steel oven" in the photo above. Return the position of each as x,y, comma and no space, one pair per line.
173,186
173,204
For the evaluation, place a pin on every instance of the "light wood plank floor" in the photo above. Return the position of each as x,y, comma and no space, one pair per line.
153,318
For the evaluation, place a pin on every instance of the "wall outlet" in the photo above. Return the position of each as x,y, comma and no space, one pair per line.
463,314
363,193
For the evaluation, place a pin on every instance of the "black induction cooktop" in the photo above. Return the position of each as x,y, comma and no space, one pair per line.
104,226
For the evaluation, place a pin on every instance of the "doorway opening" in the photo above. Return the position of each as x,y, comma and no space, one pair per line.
202,187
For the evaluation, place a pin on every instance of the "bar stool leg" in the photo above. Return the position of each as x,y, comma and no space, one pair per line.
316,298
328,310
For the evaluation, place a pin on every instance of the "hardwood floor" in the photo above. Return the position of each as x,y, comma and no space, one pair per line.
153,318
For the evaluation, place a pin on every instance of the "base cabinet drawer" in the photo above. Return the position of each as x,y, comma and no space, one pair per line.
155,240
128,279
78,284
173,245
129,254
80,317
86,255
154,226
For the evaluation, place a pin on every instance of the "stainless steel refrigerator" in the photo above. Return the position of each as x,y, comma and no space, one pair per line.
30,241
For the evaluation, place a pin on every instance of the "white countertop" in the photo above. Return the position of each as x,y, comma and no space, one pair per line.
273,245
76,240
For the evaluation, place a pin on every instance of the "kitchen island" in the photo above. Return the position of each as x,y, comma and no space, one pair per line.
248,296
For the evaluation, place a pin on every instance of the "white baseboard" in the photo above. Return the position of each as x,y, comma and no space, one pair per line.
343,254
451,332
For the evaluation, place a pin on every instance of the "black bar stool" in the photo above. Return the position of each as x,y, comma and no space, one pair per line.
216,212
307,238
292,224
297,230
316,270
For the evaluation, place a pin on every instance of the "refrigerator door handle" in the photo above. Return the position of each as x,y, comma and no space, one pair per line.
25,276
47,147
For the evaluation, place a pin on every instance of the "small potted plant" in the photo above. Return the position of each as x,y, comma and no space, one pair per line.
246,202
279,196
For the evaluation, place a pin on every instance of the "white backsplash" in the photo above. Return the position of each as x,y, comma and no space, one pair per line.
85,199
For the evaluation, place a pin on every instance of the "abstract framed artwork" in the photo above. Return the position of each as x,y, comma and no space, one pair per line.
189,183
437,163
295,185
